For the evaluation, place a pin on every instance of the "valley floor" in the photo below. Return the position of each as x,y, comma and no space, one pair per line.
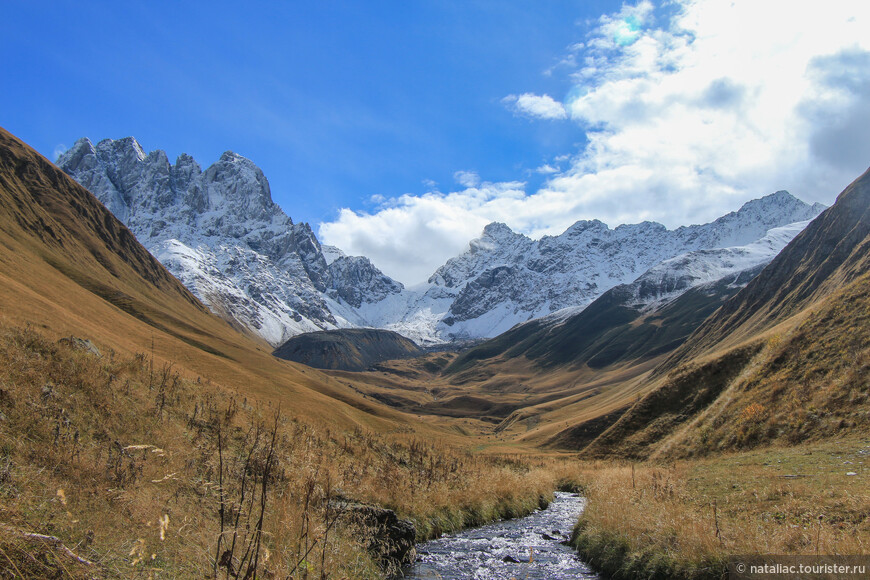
137,471
120,466
684,519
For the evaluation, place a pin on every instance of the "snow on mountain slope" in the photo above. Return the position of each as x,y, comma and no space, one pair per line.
221,234
506,278
650,316
672,277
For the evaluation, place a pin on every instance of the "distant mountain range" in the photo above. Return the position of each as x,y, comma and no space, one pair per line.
220,233
712,350
667,364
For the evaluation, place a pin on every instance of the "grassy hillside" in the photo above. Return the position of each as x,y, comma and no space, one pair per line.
70,267
809,383
139,472
557,384
784,361
183,446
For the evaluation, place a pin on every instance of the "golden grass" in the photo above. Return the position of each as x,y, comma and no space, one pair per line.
118,458
132,438
809,382
684,519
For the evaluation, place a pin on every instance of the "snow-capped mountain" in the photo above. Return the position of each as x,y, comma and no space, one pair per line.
221,234
505,278
731,267
672,277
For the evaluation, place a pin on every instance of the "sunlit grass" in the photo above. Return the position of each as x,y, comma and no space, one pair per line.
119,460
684,519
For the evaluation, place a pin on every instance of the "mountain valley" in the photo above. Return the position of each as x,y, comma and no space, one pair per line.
707,387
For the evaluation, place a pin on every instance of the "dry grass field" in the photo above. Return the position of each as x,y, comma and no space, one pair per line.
185,450
133,468
117,458
683,519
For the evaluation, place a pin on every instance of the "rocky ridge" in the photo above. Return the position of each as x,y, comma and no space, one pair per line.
221,234
505,278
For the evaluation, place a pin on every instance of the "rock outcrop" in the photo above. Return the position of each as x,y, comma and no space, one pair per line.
348,349
390,540
220,233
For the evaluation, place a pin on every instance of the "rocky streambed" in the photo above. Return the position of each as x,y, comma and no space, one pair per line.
532,547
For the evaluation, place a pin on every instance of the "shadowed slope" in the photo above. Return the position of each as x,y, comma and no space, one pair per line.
787,359
349,349
829,254
68,265
608,332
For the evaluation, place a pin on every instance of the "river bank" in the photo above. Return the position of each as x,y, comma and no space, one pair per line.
684,519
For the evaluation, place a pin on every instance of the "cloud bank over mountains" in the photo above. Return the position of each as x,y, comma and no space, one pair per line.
686,111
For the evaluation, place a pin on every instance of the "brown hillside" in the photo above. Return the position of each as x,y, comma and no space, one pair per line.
144,459
784,361
71,268
830,253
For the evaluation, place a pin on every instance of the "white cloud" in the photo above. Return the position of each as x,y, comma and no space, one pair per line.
725,102
59,150
547,169
414,235
537,106
467,178
687,116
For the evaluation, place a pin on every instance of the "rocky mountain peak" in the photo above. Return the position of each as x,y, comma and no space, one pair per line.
220,232
237,186
646,227
581,226
127,147
222,235
81,150
497,230
184,172
780,200
356,281
506,278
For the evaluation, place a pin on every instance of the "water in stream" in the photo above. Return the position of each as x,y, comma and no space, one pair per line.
529,547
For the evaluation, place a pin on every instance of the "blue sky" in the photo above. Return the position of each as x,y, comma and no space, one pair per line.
336,101
399,129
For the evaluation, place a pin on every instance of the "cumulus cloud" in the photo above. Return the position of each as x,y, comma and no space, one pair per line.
838,108
410,236
547,169
688,112
536,106
727,101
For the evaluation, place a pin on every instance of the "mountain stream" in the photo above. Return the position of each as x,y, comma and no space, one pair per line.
529,547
